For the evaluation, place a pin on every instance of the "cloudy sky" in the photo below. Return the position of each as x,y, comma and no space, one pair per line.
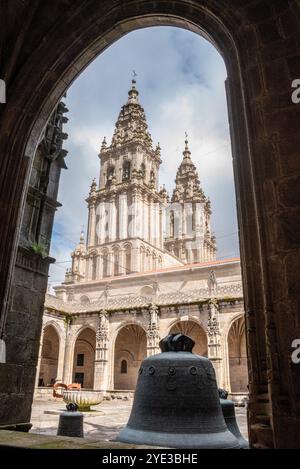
181,83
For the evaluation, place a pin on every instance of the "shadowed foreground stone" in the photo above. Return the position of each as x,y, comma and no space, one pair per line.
33,441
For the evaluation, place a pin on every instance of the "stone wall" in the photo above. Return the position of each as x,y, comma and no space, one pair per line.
23,326
22,336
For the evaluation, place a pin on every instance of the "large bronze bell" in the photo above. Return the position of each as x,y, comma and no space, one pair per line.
176,403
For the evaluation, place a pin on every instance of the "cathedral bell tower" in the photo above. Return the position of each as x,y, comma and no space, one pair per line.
125,227
189,235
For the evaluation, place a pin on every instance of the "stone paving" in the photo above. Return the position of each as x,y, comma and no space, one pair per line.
104,422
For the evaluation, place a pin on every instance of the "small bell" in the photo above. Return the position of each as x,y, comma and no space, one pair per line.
230,419
71,422
176,402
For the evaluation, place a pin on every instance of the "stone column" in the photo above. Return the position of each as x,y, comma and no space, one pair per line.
61,359
123,216
226,367
153,331
157,233
151,222
101,357
110,264
134,223
213,332
39,360
101,226
112,223
135,259
68,355
92,225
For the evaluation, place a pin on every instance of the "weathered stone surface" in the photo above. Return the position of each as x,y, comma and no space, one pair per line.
10,378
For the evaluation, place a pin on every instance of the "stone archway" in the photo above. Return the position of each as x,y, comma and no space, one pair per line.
237,356
49,357
265,136
84,358
196,332
130,351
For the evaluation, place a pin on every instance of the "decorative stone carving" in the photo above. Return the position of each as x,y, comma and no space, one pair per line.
213,329
102,337
212,284
153,331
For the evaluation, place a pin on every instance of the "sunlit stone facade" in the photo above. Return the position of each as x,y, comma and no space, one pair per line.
147,268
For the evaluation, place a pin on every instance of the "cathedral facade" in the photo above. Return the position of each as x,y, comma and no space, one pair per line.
147,267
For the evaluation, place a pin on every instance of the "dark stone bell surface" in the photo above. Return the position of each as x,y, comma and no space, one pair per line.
71,422
177,402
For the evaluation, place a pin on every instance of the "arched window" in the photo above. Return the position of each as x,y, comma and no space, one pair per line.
128,259
194,220
143,170
152,177
116,262
84,300
94,268
110,174
126,171
172,224
123,367
148,260
105,264
142,258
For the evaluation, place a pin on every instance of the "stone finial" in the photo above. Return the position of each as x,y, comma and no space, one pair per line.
82,236
133,94
104,144
186,152
93,186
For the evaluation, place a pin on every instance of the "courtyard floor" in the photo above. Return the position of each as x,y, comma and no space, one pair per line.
104,422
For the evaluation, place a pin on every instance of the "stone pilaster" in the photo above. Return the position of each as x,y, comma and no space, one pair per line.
153,331
68,358
213,333
101,357
39,360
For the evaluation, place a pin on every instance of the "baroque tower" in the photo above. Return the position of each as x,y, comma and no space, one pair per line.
189,235
125,222
132,227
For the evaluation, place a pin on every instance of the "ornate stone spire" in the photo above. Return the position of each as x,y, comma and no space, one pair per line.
80,248
82,237
188,187
131,125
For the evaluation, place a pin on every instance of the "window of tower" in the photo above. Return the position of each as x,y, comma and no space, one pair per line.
128,260
105,265
124,367
126,171
116,262
94,268
194,220
152,177
172,224
143,170
110,174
